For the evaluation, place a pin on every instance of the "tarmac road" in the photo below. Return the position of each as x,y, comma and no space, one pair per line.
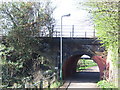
86,79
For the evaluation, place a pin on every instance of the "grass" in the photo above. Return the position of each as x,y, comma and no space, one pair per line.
105,85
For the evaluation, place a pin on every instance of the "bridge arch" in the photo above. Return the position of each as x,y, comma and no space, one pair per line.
70,64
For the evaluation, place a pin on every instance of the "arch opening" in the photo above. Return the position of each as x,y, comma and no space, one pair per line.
85,64
70,65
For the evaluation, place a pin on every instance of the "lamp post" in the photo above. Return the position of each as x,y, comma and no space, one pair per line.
61,46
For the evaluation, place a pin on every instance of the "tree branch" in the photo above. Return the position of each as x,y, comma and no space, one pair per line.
8,13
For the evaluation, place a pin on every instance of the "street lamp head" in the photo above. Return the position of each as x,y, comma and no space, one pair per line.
67,15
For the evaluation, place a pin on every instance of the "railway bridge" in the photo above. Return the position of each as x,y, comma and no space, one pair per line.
72,50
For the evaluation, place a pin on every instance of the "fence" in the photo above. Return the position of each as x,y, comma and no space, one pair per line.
43,83
73,31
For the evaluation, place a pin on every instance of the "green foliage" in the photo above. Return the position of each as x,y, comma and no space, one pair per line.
106,21
106,85
56,84
10,67
23,22
31,16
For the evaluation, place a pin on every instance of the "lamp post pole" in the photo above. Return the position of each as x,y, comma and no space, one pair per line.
61,46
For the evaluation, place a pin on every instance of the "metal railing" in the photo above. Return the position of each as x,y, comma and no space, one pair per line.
73,31
43,83
68,31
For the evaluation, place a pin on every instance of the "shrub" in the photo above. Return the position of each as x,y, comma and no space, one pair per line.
105,84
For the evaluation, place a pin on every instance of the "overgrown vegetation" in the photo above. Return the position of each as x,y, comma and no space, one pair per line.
105,85
56,84
20,51
106,20
105,16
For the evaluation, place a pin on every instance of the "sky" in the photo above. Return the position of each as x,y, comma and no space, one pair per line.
69,6
79,17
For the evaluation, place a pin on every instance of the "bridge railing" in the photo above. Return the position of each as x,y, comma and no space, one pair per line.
73,31
78,34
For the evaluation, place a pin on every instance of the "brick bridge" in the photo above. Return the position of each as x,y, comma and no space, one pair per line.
73,49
